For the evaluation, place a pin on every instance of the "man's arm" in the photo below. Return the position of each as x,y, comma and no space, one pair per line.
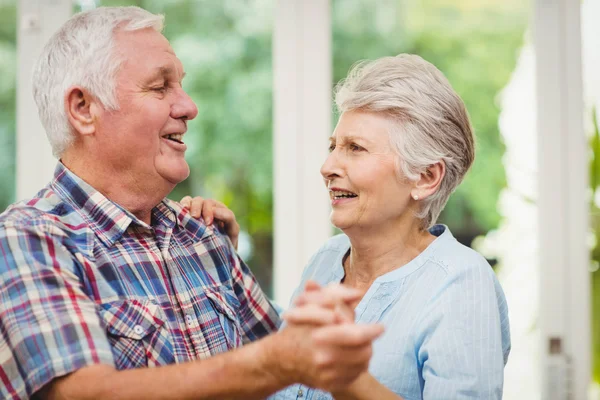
52,343
241,374
296,354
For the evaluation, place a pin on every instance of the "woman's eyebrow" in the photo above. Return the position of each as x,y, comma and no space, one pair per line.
351,138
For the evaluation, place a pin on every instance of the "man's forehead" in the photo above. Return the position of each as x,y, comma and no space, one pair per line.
146,39
148,50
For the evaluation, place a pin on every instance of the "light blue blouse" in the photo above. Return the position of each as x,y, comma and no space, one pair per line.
447,333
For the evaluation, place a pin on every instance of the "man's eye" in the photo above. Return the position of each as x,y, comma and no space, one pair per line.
355,147
159,89
331,147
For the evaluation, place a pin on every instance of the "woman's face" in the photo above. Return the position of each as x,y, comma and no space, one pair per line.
360,172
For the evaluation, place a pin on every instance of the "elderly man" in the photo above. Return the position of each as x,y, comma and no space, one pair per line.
101,275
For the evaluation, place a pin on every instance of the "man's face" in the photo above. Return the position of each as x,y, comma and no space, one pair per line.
144,136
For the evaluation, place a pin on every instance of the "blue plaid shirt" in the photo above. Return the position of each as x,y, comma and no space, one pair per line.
84,282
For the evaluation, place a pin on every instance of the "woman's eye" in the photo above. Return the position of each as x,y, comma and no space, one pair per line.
160,89
355,147
331,147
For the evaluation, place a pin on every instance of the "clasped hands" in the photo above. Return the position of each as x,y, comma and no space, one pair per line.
320,345
341,348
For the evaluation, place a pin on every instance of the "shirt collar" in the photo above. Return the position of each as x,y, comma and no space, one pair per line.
107,219
442,234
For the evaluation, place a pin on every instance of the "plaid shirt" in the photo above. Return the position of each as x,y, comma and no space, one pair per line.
83,282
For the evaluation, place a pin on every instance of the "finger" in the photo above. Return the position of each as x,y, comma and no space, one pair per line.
350,357
343,313
329,296
311,286
230,225
347,334
208,211
196,207
186,202
218,204
228,217
310,314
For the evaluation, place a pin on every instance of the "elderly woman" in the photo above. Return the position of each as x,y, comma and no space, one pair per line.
402,145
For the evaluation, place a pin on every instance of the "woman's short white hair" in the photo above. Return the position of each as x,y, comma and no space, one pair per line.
82,53
432,121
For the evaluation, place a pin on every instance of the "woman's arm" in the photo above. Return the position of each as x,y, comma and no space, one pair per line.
366,387
464,337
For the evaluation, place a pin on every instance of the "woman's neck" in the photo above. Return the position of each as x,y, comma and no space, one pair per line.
389,247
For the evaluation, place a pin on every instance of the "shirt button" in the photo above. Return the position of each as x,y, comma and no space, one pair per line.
189,319
138,329
300,392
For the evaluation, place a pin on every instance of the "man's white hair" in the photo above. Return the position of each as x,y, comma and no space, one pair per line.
82,53
432,121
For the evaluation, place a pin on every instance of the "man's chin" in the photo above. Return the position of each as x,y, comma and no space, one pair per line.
175,173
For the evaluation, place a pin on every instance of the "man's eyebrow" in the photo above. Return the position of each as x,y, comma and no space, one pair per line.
163,71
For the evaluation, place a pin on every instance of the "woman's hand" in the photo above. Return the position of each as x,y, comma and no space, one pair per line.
211,210
320,306
332,307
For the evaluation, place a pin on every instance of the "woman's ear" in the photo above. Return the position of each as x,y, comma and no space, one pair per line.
80,107
429,181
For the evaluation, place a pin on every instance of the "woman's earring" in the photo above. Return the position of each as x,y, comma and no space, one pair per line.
416,196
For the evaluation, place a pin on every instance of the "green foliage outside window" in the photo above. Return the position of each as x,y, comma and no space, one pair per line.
8,79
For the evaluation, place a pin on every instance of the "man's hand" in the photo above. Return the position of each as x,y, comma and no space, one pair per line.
322,347
318,306
211,210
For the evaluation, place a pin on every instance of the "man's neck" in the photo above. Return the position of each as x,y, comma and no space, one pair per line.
135,194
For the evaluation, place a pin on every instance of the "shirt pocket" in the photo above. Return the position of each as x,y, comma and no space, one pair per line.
226,304
137,333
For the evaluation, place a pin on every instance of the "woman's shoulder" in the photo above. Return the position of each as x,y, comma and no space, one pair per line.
324,263
455,259
335,247
340,243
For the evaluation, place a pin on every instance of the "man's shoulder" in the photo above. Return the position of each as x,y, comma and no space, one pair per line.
46,211
195,228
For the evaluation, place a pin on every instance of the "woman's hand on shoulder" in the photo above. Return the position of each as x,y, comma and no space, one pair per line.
212,210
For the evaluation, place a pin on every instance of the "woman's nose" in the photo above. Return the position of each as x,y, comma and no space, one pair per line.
331,167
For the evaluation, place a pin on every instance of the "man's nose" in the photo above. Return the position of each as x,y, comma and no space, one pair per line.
184,107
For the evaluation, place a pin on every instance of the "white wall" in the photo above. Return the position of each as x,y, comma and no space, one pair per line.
302,123
38,20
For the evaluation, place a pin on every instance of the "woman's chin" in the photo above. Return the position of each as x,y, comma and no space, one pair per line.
340,222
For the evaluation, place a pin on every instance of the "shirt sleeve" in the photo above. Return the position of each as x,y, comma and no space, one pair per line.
460,349
48,325
258,317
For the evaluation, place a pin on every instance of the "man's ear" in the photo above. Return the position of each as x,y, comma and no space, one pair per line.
429,181
81,108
